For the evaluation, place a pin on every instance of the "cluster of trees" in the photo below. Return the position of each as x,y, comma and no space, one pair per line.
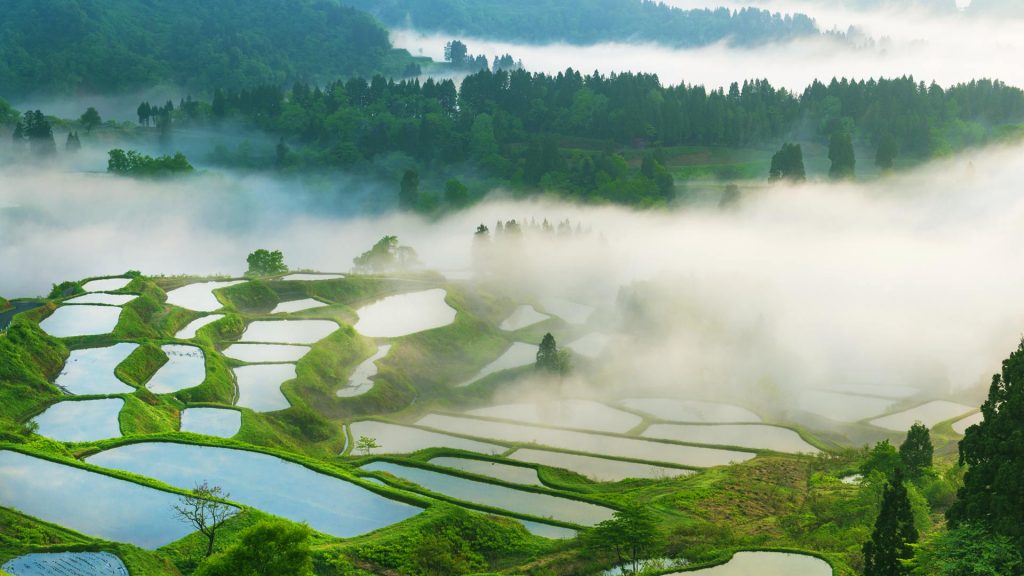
591,21
69,46
457,54
551,360
264,262
387,255
35,132
133,163
560,132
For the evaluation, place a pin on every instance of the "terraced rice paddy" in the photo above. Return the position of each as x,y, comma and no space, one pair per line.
523,317
106,284
66,564
288,331
185,368
266,353
297,306
199,296
766,564
89,502
91,370
102,298
756,436
595,468
189,331
674,410
259,386
582,414
928,414
360,382
508,473
961,426
219,422
518,355
81,420
405,314
81,320
496,496
588,443
397,439
328,504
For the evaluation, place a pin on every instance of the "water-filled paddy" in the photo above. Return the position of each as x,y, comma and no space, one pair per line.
843,407
547,530
263,353
766,564
259,386
81,420
185,368
675,410
596,444
273,485
66,564
600,469
522,317
396,439
583,414
189,332
199,297
571,312
883,390
89,502
91,371
961,426
84,320
928,414
106,284
506,472
505,498
360,382
219,422
405,314
288,331
591,345
757,436
313,277
519,354
102,298
297,306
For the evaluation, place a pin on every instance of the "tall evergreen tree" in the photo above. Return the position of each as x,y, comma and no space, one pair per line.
788,164
888,148
993,450
840,152
547,355
409,192
916,451
891,542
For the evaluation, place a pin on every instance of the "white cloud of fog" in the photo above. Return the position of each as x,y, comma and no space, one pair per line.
914,279
946,48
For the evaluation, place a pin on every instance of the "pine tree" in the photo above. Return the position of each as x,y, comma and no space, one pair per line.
547,355
916,451
840,152
993,493
891,542
788,164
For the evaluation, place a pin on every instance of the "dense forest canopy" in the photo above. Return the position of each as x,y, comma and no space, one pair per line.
590,21
105,46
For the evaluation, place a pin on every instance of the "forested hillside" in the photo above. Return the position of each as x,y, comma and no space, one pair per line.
590,21
105,46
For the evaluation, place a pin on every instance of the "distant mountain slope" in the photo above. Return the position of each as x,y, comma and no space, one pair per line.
589,21
102,46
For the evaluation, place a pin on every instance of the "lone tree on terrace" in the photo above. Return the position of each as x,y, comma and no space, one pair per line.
266,263
205,511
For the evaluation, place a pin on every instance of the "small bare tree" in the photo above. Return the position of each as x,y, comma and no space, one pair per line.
205,510
366,444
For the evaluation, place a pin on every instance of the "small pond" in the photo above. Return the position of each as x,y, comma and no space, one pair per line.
360,382
106,284
519,354
599,469
266,353
189,332
288,331
185,368
259,386
91,371
582,414
102,298
397,439
219,422
405,314
597,444
89,502
675,410
81,420
928,414
199,296
523,316
297,306
273,485
68,321
766,564
506,472
758,436
961,426
502,497
66,564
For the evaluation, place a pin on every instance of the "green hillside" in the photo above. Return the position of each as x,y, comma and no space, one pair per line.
104,46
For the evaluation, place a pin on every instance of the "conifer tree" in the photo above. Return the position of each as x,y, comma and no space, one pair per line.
894,534
916,451
547,355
